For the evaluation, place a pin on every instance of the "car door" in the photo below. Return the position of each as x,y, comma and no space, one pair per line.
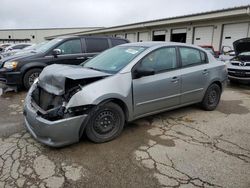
159,91
194,74
71,53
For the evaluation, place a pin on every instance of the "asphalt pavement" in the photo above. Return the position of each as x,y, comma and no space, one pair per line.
187,147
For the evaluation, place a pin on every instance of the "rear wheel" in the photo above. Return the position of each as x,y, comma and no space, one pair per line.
211,98
105,123
30,77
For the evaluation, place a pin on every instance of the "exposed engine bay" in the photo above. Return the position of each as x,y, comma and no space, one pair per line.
242,58
50,103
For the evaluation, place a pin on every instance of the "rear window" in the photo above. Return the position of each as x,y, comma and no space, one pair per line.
191,56
116,42
96,44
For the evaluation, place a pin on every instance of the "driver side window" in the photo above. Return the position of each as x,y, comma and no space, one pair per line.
160,60
71,47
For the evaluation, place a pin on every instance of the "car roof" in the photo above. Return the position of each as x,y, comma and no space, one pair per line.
159,44
86,36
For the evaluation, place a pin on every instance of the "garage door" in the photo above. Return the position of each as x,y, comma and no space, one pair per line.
233,32
159,35
143,36
131,37
120,36
203,35
179,35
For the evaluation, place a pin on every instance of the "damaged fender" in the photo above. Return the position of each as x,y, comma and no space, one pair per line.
114,87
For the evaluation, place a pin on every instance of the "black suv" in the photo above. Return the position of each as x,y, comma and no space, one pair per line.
22,70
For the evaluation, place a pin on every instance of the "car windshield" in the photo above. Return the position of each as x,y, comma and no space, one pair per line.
48,45
113,60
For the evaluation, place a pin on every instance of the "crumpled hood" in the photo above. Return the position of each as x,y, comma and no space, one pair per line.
242,45
53,77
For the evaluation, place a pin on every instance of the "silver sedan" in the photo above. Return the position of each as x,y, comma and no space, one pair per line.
120,85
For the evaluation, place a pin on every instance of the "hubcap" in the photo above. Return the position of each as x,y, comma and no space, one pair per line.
212,98
105,122
32,77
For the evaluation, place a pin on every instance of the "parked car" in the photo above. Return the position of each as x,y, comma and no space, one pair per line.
120,85
28,49
23,70
19,48
239,66
210,49
3,46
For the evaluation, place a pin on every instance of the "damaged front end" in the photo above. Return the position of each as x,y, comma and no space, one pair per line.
47,116
53,107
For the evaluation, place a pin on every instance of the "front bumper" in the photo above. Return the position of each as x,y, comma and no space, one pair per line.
9,77
240,74
52,133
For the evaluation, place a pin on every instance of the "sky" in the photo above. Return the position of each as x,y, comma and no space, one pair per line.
24,14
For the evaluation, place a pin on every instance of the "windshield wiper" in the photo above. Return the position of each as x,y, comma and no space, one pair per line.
92,68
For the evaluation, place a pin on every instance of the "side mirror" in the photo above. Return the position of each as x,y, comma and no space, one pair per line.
56,52
143,71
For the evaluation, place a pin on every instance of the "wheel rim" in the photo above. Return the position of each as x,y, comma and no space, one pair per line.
213,97
106,122
32,77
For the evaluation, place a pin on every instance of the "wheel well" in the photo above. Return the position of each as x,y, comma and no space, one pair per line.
218,83
116,101
121,104
28,69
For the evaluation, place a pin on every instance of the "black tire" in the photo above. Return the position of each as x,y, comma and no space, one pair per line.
211,98
105,123
30,77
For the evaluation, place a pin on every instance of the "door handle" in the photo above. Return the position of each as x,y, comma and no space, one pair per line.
205,72
175,79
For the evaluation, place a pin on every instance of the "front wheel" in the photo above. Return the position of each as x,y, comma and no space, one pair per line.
211,98
30,77
105,123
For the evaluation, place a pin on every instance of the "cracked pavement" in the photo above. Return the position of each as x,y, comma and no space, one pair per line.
23,164
187,147
200,149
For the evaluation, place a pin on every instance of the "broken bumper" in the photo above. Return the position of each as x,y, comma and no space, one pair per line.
52,133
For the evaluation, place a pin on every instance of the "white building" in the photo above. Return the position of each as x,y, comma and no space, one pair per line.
36,35
217,28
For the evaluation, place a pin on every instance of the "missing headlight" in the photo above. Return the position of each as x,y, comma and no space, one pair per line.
54,114
71,92
79,110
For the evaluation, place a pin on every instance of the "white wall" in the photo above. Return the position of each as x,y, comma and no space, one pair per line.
216,23
38,33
